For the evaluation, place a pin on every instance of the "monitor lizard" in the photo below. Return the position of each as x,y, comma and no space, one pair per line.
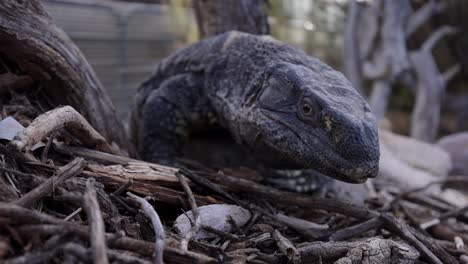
288,109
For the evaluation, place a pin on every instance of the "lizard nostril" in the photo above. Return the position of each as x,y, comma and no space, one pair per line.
327,121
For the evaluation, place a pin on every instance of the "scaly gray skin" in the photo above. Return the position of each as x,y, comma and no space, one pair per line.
289,109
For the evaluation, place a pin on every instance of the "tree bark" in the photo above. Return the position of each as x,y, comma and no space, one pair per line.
215,17
45,53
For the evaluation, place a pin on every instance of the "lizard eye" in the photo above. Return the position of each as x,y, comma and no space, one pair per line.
306,109
309,110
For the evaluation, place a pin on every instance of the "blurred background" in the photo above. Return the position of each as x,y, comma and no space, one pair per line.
123,40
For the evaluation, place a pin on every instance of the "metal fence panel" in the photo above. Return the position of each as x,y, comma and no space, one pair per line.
122,41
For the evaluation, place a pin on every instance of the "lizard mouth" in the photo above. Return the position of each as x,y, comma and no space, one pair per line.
337,167
332,163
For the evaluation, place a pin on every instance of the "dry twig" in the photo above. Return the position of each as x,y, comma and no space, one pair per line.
73,168
193,204
287,248
358,229
160,235
58,118
45,152
404,232
97,230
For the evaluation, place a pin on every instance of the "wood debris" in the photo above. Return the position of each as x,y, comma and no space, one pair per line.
48,212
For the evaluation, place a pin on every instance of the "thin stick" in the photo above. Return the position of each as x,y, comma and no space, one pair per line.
432,222
41,223
358,229
304,227
193,204
159,234
434,247
9,178
287,248
17,173
45,152
73,168
220,233
70,216
83,253
97,230
122,188
210,185
404,232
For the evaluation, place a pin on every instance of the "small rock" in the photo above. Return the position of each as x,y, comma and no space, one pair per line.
457,146
350,192
215,216
412,164
418,154
396,170
9,127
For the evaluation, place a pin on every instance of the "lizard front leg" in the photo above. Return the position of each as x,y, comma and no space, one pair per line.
310,181
169,114
307,181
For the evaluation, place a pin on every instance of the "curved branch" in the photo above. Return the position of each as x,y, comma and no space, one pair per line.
196,214
422,15
159,234
58,118
436,36
450,73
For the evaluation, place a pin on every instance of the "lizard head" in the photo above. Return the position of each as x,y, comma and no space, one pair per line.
313,119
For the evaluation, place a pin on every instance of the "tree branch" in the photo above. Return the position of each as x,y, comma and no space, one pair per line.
423,14
71,169
97,230
436,36
160,235
58,118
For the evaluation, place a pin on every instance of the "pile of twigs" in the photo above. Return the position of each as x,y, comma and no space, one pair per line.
72,201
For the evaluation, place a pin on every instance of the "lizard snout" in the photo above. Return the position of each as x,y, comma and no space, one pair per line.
359,147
